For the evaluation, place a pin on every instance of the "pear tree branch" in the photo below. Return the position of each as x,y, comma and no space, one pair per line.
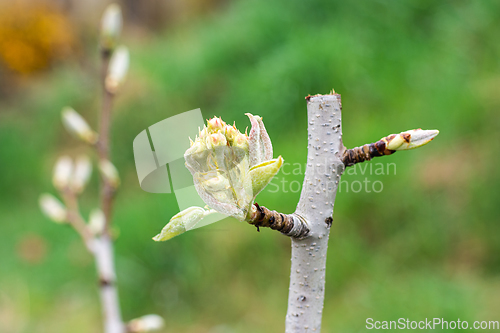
309,226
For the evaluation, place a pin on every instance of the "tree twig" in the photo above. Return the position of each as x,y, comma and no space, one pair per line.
107,190
365,153
288,224
113,322
76,220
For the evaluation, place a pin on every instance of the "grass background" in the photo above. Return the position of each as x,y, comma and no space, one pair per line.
426,246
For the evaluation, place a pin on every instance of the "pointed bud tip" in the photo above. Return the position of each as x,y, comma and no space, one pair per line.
215,124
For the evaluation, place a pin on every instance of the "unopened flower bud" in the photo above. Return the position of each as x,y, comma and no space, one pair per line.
241,141
410,139
109,173
117,71
76,125
53,208
62,173
215,140
97,221
230,132
215,124
228,178
111,26
81,175
146,323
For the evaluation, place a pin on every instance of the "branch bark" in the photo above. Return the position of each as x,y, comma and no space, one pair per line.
315,207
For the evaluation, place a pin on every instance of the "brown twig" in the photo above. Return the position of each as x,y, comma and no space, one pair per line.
107,190
288,224
367,152
75,218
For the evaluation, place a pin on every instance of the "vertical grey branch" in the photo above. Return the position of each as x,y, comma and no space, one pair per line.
323,171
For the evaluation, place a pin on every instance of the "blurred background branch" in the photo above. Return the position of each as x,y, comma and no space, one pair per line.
71,180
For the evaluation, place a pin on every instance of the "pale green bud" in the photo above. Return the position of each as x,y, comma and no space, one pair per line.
111,26
81,175
146,323
76,125
117,70
181,223
62,173
53,208
410,139
109,173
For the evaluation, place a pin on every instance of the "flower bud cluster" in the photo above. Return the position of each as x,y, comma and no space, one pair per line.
229,169
216,134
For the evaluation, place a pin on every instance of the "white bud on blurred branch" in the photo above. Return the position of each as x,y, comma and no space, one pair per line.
111,26
53,208
82,172
117,71
76,125
62,173
109,173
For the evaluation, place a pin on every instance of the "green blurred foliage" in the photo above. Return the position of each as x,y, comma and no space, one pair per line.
426,246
